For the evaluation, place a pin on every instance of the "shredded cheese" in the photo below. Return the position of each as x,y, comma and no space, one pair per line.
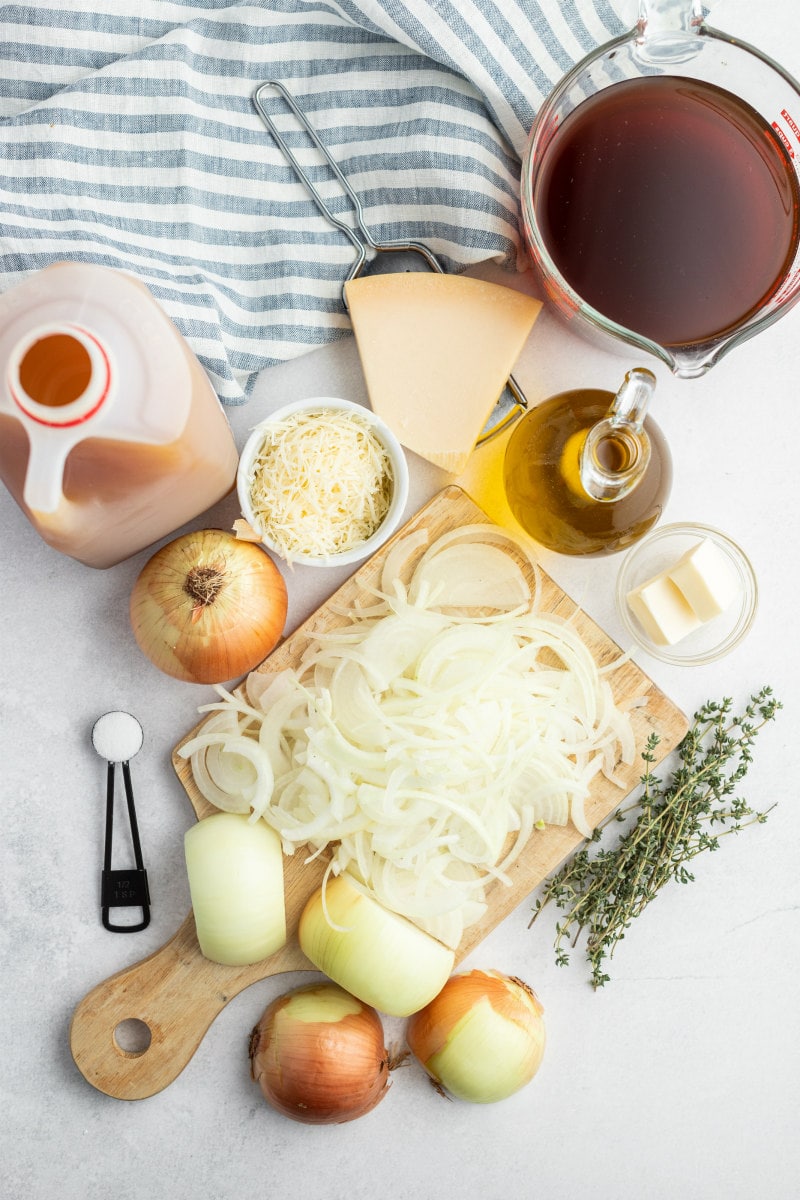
422,744
320,484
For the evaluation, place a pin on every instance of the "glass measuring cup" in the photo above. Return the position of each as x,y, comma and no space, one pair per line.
671,237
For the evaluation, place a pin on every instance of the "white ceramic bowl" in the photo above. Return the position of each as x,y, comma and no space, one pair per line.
400,481
660,550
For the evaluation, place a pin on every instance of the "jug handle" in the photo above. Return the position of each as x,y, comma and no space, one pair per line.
44,476
669,16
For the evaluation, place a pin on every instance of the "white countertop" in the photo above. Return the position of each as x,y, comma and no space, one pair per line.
676,1081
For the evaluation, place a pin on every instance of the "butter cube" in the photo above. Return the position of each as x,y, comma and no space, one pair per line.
662,610
705,579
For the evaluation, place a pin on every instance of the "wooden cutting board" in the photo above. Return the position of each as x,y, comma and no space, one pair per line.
177,993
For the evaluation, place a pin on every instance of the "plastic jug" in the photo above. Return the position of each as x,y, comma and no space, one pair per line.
111,435
587,471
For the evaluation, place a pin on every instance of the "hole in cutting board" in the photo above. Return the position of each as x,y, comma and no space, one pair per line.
132,1037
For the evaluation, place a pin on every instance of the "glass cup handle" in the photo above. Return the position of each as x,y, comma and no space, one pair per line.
669,16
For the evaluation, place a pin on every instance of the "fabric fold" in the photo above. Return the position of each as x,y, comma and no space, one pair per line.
129,138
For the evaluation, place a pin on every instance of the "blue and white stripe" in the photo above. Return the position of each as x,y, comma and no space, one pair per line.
129,138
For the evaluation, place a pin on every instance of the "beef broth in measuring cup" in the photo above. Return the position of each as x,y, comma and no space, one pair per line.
670,206
661,207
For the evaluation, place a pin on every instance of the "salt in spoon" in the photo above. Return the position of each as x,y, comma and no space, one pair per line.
117,737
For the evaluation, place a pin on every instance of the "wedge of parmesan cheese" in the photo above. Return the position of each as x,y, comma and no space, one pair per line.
437,351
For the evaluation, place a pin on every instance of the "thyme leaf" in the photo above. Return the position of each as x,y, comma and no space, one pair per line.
600,890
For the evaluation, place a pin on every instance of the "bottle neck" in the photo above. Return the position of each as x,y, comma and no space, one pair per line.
616,452
60,375
613,460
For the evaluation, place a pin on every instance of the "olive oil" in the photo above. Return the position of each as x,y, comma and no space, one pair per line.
566,504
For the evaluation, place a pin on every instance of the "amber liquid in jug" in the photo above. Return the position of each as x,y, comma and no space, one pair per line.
111,435
546,486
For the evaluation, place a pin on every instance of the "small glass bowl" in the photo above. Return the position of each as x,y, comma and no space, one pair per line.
400,478
715,638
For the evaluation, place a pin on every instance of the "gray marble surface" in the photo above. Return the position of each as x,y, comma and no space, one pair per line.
678,1081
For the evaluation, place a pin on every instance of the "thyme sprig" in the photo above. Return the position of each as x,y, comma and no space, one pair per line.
671,822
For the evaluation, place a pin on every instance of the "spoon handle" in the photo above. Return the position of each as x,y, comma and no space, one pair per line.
126,888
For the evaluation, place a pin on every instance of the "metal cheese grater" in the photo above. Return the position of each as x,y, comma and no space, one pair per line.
373,257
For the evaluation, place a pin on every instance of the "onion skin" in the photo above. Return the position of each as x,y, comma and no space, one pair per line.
319,1057
208,607
482,1038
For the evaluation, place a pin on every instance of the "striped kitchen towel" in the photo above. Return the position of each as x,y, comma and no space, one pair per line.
129,138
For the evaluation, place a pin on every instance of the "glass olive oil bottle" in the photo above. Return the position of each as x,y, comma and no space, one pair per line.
587,472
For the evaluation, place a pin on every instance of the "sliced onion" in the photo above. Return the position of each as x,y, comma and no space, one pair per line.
359,717
473,575
253,794
482,537
421,745
375,955
235,871
399,556
392,647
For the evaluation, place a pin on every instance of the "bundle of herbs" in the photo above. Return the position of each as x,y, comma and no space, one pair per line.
670,821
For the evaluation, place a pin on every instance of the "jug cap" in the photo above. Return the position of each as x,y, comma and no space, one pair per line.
76,392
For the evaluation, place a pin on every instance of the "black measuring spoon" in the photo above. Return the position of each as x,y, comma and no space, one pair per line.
117,737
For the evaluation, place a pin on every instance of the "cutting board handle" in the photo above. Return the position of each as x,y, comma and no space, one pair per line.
174,995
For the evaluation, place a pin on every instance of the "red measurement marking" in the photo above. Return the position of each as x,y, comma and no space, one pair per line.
791,123
784,139
549,130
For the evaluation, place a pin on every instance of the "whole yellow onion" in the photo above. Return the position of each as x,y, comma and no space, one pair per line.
318,1055
208,607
